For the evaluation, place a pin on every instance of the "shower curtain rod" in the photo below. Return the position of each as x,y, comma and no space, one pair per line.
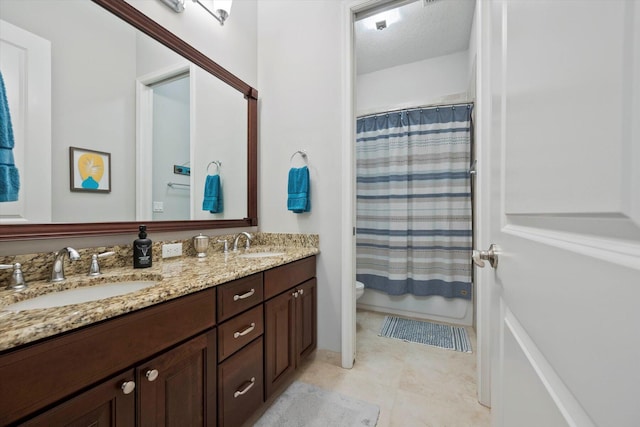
416,108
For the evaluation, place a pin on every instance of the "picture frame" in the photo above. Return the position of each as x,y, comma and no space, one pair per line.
90,170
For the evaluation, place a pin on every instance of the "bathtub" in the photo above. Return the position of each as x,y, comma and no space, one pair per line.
440,309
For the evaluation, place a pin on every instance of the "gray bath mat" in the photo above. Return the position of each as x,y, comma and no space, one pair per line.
437,335
305,405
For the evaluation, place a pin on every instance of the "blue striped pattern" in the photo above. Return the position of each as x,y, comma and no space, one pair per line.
414,202
435,334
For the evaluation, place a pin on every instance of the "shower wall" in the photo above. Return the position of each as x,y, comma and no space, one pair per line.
442,80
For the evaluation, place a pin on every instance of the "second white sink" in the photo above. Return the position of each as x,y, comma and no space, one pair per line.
260,254
80,295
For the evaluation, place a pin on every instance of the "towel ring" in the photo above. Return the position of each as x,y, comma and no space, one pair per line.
218,164
302,153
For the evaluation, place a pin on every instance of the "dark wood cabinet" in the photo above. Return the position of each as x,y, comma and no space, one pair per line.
306,319
41,374
280,351
210,358
105,405
240,380
290,321
178,388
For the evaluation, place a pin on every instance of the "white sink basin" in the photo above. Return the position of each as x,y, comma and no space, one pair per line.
260,254
80,295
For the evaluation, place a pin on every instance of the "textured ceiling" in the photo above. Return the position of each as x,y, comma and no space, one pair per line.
424,30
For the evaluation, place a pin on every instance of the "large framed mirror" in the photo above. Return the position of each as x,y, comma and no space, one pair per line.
108,91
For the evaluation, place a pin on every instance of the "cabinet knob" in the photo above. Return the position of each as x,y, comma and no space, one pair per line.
295,294
301,291
128,386
151,374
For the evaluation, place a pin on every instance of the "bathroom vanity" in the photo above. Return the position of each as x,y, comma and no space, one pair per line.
203,350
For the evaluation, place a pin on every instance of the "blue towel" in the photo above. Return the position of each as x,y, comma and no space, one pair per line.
212,194
9,177
299,199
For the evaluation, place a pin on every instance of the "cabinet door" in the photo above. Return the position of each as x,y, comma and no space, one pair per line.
103,405
306,319
279,358
178,388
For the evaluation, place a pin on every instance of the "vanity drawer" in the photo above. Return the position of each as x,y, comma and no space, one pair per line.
237,332
281,278
240,385
239,295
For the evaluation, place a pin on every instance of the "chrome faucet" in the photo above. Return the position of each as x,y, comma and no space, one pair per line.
57,272
235,241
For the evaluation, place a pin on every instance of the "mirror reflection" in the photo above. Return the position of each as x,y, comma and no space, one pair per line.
112,89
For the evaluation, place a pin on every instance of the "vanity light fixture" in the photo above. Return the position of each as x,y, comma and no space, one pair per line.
222,9
176,5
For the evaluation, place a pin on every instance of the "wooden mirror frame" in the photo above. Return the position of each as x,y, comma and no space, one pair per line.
138,20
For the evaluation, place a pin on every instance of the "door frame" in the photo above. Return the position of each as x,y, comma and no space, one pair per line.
144,133
482,282
483,277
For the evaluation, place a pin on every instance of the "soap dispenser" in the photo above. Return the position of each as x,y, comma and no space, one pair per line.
142,250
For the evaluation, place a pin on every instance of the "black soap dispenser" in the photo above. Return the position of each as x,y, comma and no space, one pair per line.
142,249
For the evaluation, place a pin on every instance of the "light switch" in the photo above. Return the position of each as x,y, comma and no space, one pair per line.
158,206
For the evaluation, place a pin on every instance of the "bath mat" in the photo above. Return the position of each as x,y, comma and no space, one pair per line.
306,405
437,335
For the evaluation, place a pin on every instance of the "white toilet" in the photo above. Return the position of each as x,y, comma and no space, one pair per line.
359,289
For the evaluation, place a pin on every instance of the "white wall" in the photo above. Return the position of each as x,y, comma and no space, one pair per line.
410,85
299,78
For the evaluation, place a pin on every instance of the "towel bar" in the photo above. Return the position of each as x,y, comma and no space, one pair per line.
177,184
218,164
302,153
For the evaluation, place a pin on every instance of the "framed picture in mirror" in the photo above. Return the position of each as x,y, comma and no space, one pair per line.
90,170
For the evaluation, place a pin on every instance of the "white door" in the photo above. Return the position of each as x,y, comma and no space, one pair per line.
560,166
25,62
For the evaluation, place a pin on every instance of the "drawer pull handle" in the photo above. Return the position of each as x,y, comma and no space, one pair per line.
151,374
128,387
243,296
246,389
246,331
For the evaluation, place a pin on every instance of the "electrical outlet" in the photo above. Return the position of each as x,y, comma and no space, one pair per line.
171,250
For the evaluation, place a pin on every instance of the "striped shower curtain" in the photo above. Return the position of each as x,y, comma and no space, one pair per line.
414,202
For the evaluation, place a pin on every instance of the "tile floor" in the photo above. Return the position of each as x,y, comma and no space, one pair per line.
414,384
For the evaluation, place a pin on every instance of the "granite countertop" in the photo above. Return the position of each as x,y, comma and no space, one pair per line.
176,277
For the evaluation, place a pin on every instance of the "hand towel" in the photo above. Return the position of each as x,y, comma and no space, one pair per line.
9,177
299,198
212,194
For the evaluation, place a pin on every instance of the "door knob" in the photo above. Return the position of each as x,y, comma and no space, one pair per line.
479,257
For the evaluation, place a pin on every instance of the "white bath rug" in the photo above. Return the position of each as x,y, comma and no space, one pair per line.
305,405
435,334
